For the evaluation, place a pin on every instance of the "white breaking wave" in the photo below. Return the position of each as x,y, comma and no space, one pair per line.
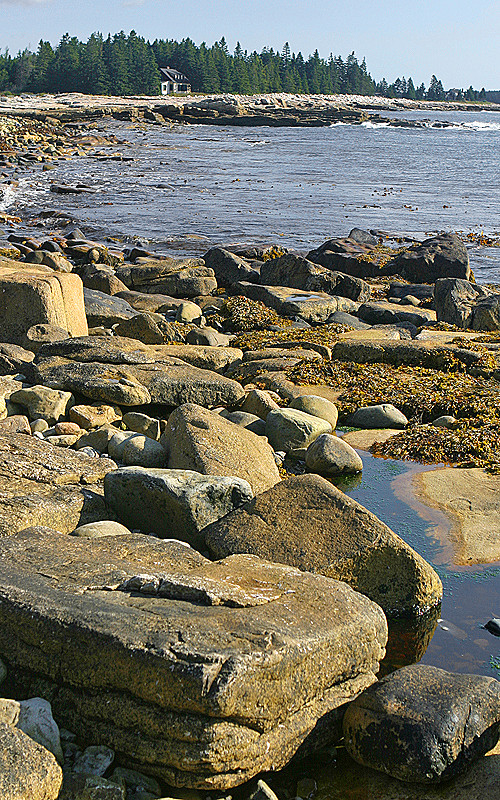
370,124
7,194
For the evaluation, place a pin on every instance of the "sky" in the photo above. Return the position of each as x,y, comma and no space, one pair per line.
457,40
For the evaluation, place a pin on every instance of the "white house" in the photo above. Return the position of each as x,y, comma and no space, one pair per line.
174,82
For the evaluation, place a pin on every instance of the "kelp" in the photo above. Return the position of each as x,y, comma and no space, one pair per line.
242,314
325,334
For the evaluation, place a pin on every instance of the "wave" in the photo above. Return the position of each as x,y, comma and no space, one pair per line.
7,194
370,124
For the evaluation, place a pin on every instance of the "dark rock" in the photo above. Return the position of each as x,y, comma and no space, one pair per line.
486,314
362,237
380,312
443,256
14,358
149,328
455,300
339,538
103,309
423,291
343,318
299,273
228,267
202,674
422,724
343,255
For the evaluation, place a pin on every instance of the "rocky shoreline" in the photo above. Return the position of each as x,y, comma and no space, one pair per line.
184,587
246,110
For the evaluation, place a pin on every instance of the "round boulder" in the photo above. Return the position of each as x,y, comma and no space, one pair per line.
317,406
329,455
291,429
384,415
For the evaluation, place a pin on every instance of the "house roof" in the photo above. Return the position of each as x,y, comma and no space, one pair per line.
169,74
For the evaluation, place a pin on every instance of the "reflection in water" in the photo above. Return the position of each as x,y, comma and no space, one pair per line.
408,640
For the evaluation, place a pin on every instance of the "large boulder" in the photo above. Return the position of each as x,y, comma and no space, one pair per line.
172,503
45,485
422,724
198,439
202,674
308,523
330,455
105,310
347,255
299,273
381,312
27,770
148,328
30,296
455,300
291,429
228,267
486,314
443,256
169,276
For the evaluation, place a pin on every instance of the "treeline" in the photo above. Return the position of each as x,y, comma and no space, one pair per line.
129,65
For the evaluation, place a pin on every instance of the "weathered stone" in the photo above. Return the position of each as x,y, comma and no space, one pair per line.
67,429
197,694
153,303
290,429
344,254
188,312
455,299
173,503
180,282
106,527
149,328
97,439
317,406
44,485
90,787
208,336
170,382
27,770
486,314
57,262
94,760
229,268
260,403
339,538
94,416
104,309
38,335
381,312
9,711
30,297
201,356
384,415
142,451
330,455
299,273
37,722
17,423
422,724
103,280
246,420
136,780
44,403
443,256
141,423
14,358
198,439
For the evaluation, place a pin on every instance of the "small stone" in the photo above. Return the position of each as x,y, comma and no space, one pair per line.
94,760
139,450
318,407
97,439
39,426
94,530
94,416
329,455
42,402
188,312
37,722
384,415
249,421
306,788
263,792
88,451
17,423
63,440
136,780
141,423
291,429
260,403
445,421
67,429
9,711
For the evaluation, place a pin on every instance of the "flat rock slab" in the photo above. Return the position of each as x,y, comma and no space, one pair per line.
470,498
27,770
364,439
200,673
308,523
312,306
45,485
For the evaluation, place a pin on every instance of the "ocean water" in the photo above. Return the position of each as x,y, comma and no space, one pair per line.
191,187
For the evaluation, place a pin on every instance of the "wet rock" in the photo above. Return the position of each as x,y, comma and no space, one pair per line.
173,503
198,439
104,309
329,455
493,626
383,415
228,267
282,651
486,315
44,403
443,256
27,770
318,407
340,539
290,429
422,724
37,722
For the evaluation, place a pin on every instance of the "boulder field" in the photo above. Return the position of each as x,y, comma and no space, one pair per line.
184,587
